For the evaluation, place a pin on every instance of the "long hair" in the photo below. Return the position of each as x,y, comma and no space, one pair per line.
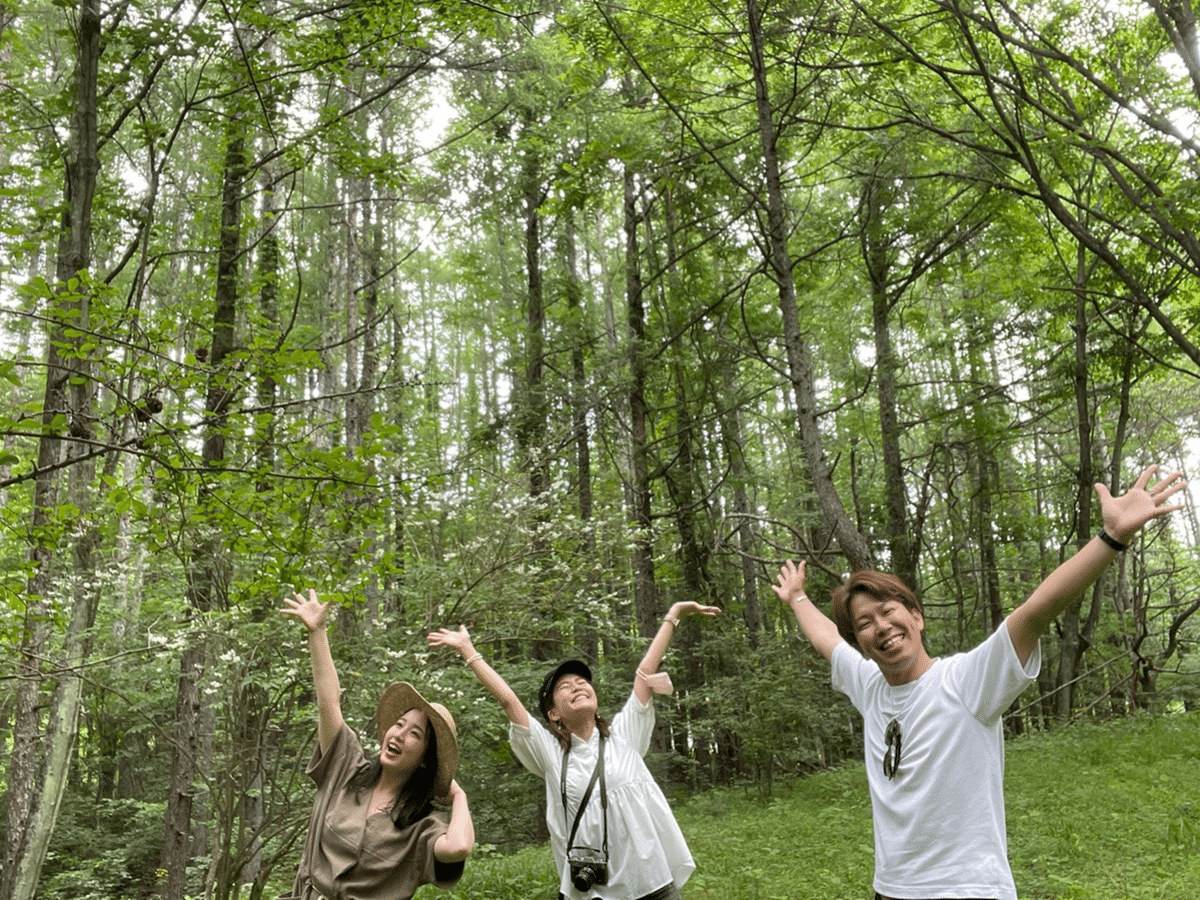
560,731
416,797
879,586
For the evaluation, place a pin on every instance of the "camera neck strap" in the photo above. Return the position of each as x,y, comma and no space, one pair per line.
597,774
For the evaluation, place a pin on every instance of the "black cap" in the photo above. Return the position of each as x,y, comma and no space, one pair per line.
546,691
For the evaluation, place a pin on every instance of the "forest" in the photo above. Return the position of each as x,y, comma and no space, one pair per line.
539,317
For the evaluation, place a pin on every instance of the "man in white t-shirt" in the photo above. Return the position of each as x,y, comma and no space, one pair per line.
934,745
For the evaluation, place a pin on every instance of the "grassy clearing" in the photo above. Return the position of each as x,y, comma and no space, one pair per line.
1095,812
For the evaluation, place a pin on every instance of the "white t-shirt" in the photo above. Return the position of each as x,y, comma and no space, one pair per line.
939,822
646,848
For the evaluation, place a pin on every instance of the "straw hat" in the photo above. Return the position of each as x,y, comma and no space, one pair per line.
398,699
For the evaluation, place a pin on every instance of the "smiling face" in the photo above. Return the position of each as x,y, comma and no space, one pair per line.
889,633
403,746
574,701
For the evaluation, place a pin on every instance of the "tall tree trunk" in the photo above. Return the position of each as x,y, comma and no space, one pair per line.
369,377
644,589
1073,641
901,545
185,749
533,415
244,864
357,201
687,494
799,357
1129,596
326,384
394,580
37,774
207,576
363,248
533,410
985,473
238,860
267,386
586,639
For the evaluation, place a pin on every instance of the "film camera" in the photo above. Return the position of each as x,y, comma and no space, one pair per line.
588,867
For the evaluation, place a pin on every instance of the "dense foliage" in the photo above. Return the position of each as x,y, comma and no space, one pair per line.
538,318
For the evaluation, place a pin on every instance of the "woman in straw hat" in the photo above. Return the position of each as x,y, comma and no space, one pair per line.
611,830
373,833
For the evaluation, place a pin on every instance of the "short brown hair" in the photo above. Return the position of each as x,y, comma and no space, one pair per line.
879,586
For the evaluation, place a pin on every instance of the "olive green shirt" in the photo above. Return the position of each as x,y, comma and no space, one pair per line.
350,855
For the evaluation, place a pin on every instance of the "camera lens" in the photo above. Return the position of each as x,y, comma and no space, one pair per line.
583,878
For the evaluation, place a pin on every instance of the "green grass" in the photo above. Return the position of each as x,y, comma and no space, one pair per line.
1107,812
1095,812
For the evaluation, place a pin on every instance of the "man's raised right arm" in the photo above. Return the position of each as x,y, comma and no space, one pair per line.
820,630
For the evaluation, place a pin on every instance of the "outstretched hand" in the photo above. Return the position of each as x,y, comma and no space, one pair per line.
1125,515
309,610
459,640
791,581
692,608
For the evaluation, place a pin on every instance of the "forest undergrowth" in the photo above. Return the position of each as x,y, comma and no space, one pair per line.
1105,811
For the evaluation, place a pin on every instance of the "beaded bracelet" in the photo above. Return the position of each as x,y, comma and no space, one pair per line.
467,662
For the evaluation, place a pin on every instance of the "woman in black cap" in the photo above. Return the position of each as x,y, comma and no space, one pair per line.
373,833
612,833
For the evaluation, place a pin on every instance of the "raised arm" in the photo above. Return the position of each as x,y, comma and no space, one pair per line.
642,685
496,686
315,616
1123,518
817,627
456,844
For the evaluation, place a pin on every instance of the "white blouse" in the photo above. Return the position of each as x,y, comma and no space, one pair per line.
646,848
